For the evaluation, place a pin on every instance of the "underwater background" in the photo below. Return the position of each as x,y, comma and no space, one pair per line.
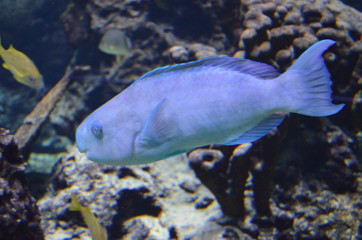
301,181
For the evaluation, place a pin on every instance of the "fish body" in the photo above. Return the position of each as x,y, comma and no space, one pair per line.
219,100
115,42
98,232
22,68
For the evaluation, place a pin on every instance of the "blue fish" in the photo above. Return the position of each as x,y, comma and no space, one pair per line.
218,100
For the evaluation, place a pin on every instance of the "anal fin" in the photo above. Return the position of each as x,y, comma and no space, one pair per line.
263,128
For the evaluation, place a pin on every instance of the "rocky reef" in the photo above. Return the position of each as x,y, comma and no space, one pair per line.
19,215
301,181
132,203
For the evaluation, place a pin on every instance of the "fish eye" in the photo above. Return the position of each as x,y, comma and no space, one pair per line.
96,129
32,79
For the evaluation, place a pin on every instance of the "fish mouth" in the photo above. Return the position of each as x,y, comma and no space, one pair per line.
81,145
86,152
82,149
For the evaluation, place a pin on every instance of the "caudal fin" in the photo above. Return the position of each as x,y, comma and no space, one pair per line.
308,81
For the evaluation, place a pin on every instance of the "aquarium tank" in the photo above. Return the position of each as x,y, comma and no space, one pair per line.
180,119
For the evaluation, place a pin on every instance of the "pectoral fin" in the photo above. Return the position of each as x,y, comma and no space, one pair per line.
158,128
5,66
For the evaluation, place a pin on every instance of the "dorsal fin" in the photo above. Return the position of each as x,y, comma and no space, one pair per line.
256,69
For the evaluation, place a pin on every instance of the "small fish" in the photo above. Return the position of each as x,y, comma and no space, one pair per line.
218,100
98,232
22,68
115,42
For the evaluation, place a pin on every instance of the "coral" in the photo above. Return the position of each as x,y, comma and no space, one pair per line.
226,176
151,201
75,23
145,227
19,216
227,184
290,27
244,180
214,231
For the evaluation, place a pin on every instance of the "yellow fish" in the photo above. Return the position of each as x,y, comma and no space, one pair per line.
22,68
98,232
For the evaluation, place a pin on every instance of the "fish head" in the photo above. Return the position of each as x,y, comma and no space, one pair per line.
31,80
106,138
37,80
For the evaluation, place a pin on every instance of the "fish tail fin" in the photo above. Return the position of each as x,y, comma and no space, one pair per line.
310,84
74,205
